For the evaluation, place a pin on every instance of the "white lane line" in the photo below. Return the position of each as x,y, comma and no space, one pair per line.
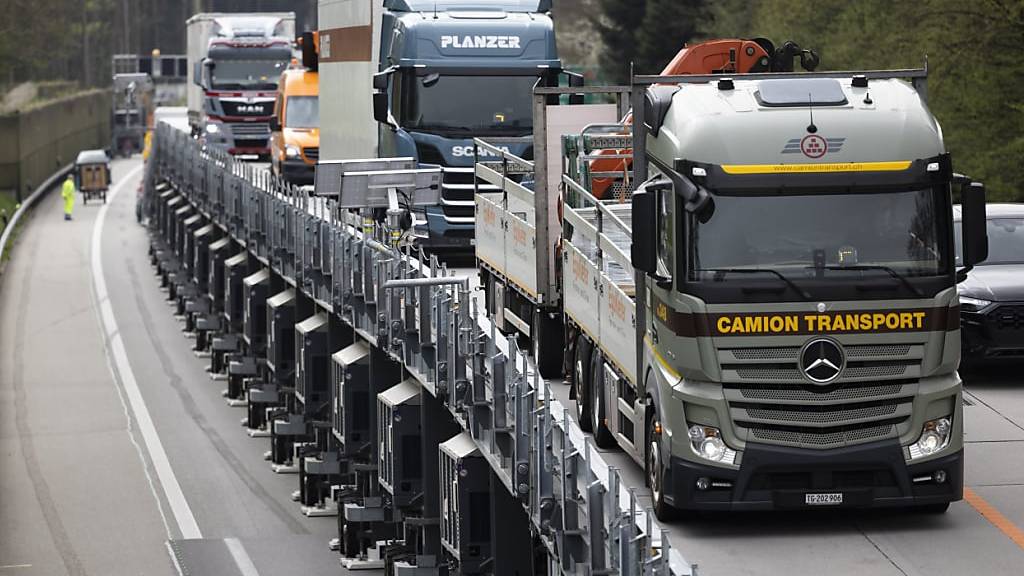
245,565
172,490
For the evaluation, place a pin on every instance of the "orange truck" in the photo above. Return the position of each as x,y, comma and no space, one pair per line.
295,127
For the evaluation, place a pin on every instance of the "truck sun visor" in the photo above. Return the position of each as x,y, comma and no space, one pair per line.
801,92
657,101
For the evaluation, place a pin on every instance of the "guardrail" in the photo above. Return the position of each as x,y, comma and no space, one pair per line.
39,192
412,312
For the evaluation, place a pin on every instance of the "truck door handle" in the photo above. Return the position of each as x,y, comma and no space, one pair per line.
654,334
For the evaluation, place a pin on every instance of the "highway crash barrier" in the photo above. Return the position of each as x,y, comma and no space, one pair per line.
381,386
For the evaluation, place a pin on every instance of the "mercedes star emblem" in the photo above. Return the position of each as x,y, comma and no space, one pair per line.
822,360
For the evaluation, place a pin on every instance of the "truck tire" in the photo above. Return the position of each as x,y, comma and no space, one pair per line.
581,382
547,334
603,437
654,470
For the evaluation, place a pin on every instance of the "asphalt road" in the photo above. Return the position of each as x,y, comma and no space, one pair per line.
80,492
895,542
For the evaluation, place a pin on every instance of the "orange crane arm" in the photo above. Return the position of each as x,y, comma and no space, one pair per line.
731,56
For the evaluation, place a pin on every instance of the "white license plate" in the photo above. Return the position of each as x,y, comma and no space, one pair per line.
823,499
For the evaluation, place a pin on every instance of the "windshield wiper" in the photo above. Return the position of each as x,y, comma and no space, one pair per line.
806,295
903,279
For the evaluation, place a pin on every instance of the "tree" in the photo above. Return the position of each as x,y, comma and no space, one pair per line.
667,26
617,23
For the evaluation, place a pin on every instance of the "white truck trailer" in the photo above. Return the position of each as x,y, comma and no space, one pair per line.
235,62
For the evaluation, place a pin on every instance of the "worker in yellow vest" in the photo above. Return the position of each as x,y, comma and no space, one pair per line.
68,193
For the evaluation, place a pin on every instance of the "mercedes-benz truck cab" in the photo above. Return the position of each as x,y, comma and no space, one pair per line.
452,71
802,333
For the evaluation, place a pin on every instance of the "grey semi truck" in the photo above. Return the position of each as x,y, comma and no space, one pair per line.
770,319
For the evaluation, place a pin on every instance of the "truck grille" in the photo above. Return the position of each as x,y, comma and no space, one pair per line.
312,153
457,194
1009,317
830,439
250,130
771,401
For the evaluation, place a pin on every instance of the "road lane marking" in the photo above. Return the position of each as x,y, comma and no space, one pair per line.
995,517
115,345
242,559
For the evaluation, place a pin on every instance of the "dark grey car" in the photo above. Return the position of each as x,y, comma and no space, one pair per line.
992,297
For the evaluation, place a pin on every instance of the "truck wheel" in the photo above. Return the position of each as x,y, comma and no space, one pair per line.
548,343
603,437
581,383
655,472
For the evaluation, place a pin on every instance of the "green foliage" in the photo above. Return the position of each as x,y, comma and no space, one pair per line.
976,76
646,33
617,23
668,25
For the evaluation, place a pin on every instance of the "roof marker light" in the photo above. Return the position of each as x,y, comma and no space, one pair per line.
699,172
933,167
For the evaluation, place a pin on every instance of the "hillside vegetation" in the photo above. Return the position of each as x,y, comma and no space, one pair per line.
976,75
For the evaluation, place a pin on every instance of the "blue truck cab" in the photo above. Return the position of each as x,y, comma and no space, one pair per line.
451,71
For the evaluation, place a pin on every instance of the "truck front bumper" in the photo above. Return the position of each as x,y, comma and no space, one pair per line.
872,475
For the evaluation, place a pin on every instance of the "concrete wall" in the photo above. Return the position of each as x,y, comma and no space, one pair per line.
35,142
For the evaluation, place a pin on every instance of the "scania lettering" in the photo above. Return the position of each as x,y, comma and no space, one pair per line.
235,61
760,329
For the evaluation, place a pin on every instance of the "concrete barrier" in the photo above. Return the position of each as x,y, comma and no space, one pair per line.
37,141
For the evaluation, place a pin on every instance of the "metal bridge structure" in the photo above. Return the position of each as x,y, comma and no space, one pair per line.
379,381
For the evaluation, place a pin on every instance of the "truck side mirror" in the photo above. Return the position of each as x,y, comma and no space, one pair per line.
275,124
197,74
381,108
643,252
975,232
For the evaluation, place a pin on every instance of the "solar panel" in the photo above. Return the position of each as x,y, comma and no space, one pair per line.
801,92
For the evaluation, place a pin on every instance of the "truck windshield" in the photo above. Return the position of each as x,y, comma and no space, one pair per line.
468,105
302,112
890,234
246,74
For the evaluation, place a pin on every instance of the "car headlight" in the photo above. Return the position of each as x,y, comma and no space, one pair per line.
935,436
291,151
973,304
706,442
212,128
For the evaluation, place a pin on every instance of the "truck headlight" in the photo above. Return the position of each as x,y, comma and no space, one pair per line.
706,442
973,304
212,128
934,437
291,151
